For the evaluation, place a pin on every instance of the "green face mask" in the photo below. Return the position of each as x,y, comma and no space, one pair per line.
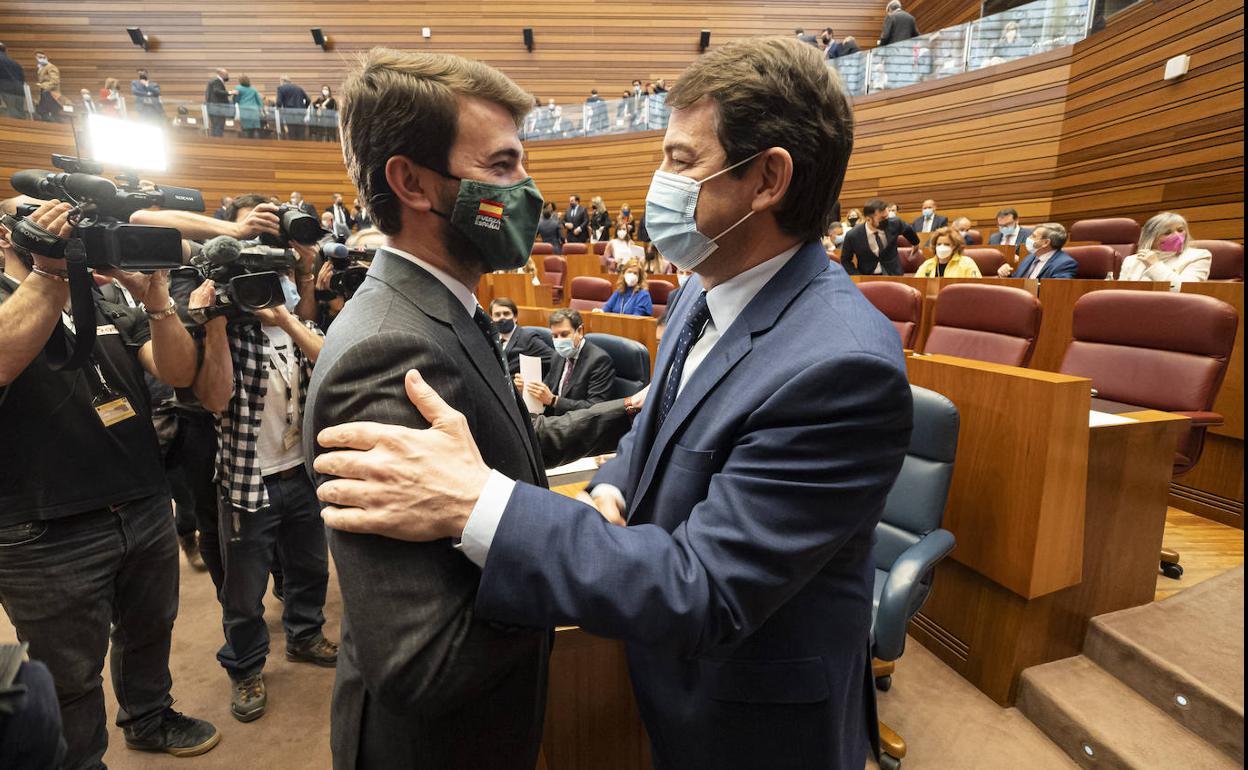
499,220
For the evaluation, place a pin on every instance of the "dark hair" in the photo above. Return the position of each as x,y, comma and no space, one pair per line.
3,48
778,92
566,314
244,201
142,74
505,302
874,205
398,103
1007,213
576,198
243,80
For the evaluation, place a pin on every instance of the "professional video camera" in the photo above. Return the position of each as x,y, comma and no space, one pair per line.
101,213
245,274
296,226
102,237
348,274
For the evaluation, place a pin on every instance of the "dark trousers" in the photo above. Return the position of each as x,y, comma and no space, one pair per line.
189,467
64,582
290,529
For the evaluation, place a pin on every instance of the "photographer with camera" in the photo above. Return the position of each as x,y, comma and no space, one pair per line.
254,376
86,526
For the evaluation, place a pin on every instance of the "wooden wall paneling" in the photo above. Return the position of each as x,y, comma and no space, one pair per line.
577,47
931,15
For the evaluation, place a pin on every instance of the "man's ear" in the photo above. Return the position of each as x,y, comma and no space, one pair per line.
774,171
411,183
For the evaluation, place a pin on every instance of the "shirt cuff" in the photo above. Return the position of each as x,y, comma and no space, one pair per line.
483,522
611,491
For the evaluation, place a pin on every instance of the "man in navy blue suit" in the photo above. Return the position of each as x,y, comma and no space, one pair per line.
748,490
1045,258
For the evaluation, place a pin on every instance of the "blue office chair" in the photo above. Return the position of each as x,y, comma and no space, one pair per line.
544,333
631,359
909,542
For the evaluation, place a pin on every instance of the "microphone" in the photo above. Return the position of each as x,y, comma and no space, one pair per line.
221,250
334,250
36,183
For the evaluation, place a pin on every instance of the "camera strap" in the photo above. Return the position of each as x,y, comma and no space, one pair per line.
59,351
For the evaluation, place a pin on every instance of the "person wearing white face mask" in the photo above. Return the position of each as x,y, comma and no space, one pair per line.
1045,258
949,261
965,228
1164,253
631,295
48,105
620,249
729,542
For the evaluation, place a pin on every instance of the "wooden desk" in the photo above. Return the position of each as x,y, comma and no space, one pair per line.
516,286
1055,522
643,329
592,722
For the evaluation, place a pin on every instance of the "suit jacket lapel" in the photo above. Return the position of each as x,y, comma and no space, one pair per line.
426,292
733,345
1025,267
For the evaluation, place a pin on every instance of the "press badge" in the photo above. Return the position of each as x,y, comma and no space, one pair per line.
112,409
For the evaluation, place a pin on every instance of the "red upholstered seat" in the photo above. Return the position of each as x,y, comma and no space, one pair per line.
659,292
1156,349
911,259
900,303
600,247
988,260
997,324
542,249
1228,259
588,292
575,248
1094,261
1119,233
973,238
555,268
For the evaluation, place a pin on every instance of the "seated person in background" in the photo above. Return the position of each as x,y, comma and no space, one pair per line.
581,375
949,261
626,219
929,221
631,295
1009,232
963,226
852,218
835,236
655,264
1163,253
549,229
620,249
516,339
1045,256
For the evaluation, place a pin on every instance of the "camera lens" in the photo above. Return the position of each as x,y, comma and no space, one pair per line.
302,228
256,291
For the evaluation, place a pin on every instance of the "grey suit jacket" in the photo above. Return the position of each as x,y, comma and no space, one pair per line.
421,682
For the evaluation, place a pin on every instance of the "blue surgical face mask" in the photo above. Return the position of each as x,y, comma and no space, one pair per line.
838,239
291,293
565,346
670,207
1009,229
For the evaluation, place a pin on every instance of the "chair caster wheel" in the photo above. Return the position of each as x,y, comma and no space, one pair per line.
1172,571
884,683
889,762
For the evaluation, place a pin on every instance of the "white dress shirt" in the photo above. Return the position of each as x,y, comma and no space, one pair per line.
725,302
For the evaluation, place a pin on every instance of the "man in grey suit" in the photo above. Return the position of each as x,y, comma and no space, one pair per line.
898,24
431,143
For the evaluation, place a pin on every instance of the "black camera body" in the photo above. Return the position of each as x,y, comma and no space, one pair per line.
101,213
347,274
296,225
246,277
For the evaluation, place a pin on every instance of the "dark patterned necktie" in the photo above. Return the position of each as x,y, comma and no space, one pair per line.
689,334
490,331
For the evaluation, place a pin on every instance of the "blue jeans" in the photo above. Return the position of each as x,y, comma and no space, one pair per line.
64,582
290,527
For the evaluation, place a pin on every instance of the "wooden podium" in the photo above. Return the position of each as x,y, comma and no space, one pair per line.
1056,522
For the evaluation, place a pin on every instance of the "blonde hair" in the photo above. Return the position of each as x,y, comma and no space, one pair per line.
401,103
632,264
1157,225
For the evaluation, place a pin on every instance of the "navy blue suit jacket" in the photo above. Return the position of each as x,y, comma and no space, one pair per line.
1060,265
742,585
1023,233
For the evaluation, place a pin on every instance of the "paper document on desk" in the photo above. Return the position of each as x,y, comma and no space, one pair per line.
531,371
580,466
1100,419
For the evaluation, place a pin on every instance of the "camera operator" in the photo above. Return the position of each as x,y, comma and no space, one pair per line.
254,376
86,526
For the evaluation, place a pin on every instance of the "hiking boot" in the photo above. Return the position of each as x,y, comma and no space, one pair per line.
178,734
320,651
250,699
190,547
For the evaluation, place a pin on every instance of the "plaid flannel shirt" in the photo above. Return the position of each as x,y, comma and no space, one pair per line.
238,427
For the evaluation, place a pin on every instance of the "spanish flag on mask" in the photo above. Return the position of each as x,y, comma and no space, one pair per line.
491,209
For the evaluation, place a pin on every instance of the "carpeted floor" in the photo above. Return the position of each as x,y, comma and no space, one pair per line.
946,722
